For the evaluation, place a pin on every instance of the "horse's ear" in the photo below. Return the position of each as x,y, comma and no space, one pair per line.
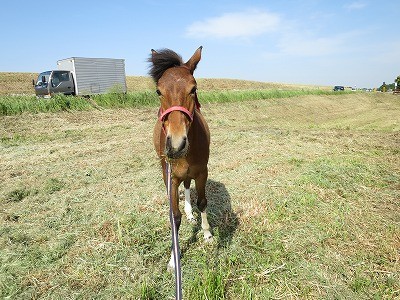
194,60
153,54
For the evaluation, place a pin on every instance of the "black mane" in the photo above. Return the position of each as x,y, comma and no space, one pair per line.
161,61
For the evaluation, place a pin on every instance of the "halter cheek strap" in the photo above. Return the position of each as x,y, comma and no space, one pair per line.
162,114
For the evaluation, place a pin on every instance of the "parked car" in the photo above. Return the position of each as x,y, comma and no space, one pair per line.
338,88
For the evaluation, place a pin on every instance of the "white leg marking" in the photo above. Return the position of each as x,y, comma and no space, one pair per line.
206,227
171,264
188,207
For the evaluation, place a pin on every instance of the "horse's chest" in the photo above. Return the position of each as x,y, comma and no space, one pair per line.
181,169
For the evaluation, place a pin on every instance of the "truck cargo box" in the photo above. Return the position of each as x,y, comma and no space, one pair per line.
95,75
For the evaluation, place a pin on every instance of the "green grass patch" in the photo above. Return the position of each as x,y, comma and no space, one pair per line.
54,185
10,141
133,99
14,105
17,195
209,285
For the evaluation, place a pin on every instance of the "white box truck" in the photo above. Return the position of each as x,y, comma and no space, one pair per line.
83,76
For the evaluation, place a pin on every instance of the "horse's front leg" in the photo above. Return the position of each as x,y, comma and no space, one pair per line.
188,203
177,215
202,205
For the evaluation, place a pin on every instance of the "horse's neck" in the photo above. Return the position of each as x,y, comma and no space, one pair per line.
199,126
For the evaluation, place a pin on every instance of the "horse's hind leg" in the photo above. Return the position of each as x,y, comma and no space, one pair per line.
188,203
202,205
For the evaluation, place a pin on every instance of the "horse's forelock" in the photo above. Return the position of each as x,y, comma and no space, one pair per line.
162,60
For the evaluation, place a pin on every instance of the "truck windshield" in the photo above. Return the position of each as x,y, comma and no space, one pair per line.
59,76
46,76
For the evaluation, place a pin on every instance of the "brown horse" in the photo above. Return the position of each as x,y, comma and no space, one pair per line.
181,134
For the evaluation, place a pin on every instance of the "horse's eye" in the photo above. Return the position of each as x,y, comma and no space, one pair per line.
193,91
158,92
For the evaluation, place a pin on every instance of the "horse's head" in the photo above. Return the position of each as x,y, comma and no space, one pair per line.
176,88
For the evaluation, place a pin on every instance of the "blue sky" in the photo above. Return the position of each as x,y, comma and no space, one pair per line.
351,43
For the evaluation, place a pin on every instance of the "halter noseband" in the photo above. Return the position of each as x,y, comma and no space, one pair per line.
163,114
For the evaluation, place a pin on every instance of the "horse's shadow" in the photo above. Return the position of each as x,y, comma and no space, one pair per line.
223,220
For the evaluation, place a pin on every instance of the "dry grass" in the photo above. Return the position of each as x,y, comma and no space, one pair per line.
303,202
214,84
21,83
140,83
16,83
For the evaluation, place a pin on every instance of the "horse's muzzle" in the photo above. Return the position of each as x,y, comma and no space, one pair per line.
177,147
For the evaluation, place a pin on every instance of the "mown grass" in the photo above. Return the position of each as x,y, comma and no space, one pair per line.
12,105
303,201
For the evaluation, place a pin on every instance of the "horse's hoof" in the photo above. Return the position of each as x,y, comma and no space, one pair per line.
208,238
170,269
192,220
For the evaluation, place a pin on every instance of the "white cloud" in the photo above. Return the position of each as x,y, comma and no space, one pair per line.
232,25
355,5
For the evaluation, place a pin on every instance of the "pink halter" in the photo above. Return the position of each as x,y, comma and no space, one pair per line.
162,115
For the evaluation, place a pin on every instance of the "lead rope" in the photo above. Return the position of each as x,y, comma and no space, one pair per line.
175,239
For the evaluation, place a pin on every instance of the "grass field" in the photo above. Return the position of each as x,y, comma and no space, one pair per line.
303,200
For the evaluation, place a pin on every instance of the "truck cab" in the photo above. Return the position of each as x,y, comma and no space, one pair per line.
52,82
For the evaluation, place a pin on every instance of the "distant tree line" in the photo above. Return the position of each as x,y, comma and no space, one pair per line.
390,86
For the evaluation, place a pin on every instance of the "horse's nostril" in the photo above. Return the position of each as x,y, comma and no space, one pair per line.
183,144
168,143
